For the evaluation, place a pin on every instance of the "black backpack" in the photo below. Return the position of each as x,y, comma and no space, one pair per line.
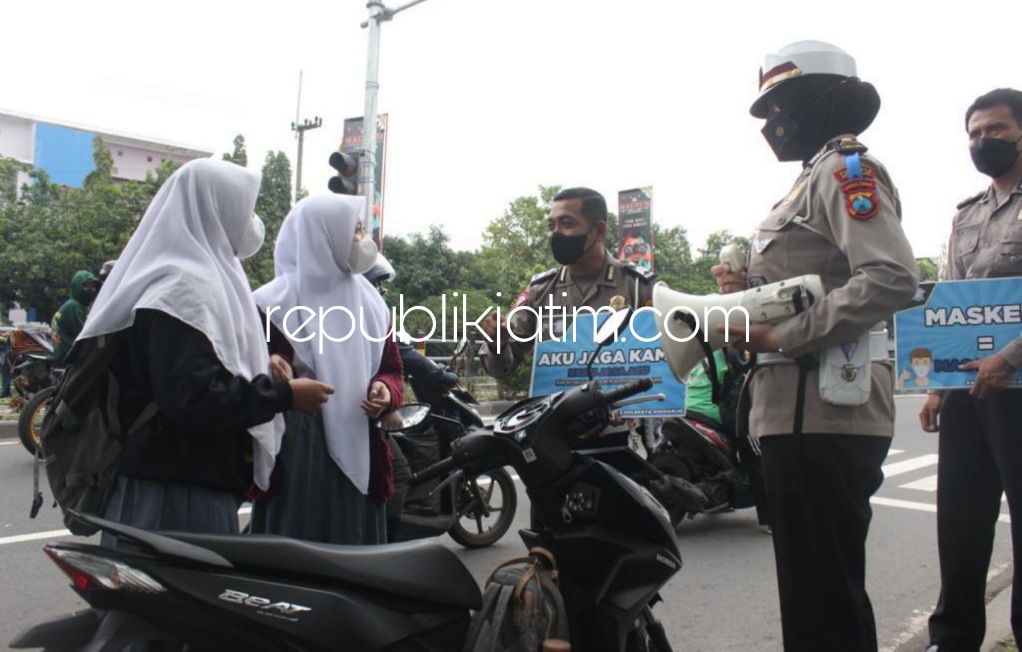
81,436
522,607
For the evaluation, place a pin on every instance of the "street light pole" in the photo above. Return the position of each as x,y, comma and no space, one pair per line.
378,13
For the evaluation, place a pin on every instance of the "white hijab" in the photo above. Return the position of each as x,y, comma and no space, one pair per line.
182,260
311,258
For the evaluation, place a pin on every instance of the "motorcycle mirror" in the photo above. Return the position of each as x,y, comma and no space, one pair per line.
458,350
608,332
403,418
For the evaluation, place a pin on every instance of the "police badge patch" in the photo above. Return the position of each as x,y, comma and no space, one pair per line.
617,302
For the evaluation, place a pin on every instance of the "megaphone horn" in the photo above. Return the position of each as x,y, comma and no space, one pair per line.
688,323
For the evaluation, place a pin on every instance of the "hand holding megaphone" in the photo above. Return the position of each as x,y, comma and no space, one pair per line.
730,274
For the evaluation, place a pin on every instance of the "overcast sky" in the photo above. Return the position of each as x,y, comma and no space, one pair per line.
488,99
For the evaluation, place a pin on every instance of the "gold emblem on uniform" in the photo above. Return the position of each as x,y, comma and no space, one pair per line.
795,192
617,302
779,132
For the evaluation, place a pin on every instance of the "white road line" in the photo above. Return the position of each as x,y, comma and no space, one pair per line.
21,538
928,483
10,443
909,465
894,451
919,507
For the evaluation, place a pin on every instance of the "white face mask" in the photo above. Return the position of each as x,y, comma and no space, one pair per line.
362,256
921,370
252,238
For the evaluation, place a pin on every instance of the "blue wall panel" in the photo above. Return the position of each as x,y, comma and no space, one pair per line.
65,154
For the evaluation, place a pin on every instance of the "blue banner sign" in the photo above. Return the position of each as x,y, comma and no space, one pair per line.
951,323
559,365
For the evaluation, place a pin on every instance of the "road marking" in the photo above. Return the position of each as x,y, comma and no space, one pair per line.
928,483
894,451
909,465
919,507
10,443
21,538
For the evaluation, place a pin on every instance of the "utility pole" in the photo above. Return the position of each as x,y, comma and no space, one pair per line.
300,130
316,123
378,13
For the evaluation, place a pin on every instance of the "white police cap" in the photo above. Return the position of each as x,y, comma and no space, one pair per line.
797,60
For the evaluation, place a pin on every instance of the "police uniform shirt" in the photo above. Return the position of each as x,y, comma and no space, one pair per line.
986,242
616,285
841,220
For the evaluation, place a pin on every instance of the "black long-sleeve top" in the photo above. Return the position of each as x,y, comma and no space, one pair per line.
199,434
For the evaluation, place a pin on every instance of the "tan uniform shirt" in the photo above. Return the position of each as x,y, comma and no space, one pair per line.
616,285
986,242
849,232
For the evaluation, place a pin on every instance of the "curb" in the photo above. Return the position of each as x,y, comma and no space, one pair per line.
998,617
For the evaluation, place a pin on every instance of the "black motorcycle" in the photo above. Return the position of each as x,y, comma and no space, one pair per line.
475,510
615,546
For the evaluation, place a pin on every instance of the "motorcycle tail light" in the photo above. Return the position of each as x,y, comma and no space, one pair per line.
96,572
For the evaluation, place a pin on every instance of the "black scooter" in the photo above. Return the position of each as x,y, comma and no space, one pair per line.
475,510
615,545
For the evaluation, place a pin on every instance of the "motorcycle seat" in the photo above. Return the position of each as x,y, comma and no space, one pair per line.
420,570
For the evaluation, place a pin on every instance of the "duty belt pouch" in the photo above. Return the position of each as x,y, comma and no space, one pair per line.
845,373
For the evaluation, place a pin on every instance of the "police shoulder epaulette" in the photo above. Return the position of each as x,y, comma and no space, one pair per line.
850,145
971,200
641,272
543,276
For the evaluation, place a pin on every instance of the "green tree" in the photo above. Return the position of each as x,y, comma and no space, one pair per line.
52,231
273,205
426,266
239,155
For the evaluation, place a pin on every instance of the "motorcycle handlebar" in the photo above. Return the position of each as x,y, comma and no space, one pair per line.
434,470
626,390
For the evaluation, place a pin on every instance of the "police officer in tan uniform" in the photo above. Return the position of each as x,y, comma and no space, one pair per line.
981,429
589,275
822,392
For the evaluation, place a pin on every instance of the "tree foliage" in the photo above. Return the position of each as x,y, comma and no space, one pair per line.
51,231
273,205
239,155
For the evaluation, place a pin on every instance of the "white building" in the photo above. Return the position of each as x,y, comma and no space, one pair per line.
64,150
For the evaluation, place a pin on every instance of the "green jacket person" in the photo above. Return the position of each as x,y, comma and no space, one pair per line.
70,318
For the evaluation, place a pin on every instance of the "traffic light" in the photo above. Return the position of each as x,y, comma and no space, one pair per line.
345,182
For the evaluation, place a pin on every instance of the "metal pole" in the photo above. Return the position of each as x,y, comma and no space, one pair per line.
298,165
377,14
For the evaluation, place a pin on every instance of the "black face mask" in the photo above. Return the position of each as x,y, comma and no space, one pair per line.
779,131
994,156
568,248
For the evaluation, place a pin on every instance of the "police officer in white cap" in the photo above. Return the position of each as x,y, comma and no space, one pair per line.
822,392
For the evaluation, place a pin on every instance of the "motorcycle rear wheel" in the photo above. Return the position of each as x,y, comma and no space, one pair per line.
30,421
493,492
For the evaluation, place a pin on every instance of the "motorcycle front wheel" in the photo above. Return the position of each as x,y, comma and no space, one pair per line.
486,509
30,422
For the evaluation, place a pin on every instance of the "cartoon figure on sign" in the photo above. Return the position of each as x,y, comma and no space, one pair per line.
636,251
921,362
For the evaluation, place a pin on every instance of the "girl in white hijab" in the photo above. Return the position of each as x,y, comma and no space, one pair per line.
333,472
193,347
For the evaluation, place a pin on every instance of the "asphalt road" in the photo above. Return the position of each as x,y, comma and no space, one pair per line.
723,599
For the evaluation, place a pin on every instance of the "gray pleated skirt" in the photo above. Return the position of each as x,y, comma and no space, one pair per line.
156,505
311,498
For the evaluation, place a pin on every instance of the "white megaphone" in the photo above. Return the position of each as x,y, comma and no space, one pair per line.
688,323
